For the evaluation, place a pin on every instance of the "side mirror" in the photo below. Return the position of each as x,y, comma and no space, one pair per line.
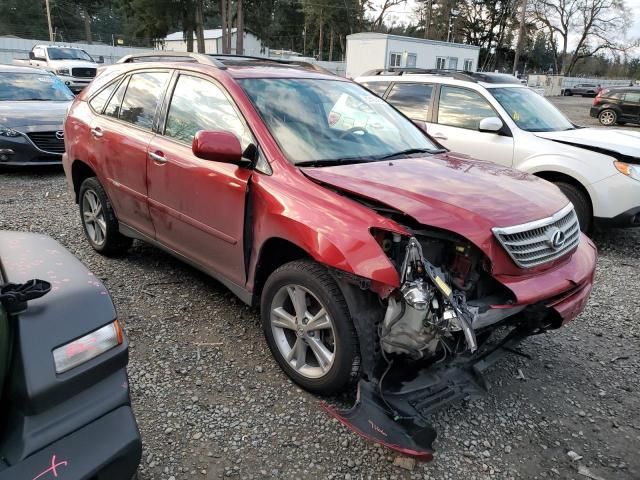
100,59
218,146
32,56
490,125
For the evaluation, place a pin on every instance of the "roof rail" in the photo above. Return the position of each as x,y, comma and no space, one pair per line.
281,61
457,74
167,56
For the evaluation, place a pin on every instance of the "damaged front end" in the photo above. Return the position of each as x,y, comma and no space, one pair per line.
431,340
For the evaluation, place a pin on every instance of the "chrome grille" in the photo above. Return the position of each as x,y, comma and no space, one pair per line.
542,241
83,72
48,141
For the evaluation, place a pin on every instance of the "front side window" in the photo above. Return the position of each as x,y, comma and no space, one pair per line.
412,99
33,86
197,104
441,62
395,59
38,52
142,98
530,111
377,87
462,108
320,120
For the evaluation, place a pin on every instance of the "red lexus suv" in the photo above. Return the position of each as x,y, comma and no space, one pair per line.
375,255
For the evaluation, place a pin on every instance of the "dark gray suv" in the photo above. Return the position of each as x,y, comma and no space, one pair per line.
584,89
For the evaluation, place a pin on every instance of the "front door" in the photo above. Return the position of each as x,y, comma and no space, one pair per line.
456,124
198,206
631,106
121,136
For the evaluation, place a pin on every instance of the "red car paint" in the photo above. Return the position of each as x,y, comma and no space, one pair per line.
196,207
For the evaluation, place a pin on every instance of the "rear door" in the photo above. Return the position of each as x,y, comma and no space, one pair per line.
198,206
414,100
631,106
121,136
456,121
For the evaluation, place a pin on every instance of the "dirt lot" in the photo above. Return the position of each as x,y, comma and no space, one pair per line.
211,402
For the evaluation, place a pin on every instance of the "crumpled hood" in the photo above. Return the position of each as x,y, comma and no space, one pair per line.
625,142
462,195
32,113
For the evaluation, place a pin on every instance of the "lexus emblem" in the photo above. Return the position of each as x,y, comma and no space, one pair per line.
60,135
555,238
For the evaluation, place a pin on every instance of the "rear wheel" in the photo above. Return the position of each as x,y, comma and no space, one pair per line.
568,93
308,328
99,220
608,117
580,202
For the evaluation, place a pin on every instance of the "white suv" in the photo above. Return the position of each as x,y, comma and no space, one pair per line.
493,117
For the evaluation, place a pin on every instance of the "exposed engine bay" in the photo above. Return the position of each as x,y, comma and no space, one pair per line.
434,338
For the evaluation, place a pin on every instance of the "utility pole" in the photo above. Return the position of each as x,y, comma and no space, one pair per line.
523,14
46,2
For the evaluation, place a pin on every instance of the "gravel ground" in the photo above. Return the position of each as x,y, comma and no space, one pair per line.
211,402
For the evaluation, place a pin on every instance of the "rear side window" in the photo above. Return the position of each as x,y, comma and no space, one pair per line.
412,99
113,108
142,96
198,104
100,100
463,108
633,97
377,87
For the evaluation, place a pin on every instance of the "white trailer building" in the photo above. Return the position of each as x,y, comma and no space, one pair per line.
253,46
369,50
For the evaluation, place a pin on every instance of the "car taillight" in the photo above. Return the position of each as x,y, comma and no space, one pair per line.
596,100
85,348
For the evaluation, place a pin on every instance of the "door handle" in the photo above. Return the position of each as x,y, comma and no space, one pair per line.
97,132
157,157
439,136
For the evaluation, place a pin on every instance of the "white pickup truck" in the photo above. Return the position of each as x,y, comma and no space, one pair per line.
75,67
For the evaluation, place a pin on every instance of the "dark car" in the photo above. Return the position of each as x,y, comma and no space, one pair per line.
33,104
584,89
64,394
617,105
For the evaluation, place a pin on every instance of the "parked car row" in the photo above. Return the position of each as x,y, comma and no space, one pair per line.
379,252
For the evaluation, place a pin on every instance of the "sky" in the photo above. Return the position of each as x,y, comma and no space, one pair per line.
403,14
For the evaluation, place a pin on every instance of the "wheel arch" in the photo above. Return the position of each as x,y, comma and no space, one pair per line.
80,171
555,176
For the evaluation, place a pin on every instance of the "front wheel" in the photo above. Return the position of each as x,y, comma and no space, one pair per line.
308,328
99,220
568,93
608,117
581,204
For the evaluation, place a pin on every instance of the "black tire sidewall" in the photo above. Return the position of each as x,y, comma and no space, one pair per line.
580,204
341,372
114,241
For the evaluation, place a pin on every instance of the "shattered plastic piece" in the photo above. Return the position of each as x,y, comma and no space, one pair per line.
574,456
582,470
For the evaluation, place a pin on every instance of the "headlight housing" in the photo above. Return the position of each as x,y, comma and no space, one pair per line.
63,71
628,169
88,347
7,132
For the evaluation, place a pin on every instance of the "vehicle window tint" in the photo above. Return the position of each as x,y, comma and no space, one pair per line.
141,100
412,99
198,104
632,97
99,101
377,87
463,108
113,108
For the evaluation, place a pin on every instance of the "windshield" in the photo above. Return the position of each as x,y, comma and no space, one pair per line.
33,86
317,120
531,111
68,54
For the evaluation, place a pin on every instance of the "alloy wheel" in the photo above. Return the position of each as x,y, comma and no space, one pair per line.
607,117
303,331
93,218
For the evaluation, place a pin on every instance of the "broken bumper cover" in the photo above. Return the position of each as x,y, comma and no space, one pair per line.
107,448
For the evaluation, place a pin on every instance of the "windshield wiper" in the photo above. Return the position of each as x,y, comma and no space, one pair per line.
337,161
411,151
34,99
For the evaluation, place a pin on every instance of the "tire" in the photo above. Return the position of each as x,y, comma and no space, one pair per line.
568,93
315,289
581,204
608,117
99,221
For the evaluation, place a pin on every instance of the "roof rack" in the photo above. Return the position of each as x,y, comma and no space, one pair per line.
216,60
159,56
457,74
